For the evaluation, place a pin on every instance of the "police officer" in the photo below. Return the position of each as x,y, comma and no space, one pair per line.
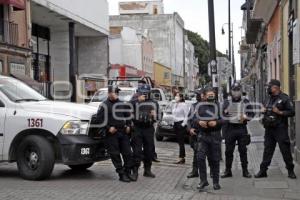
145,115
112,115
208,124
235,130
278,109
134,98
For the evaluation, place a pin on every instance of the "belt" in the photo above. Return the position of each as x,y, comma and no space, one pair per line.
179,122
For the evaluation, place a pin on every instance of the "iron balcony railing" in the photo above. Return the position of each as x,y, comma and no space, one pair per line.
9,33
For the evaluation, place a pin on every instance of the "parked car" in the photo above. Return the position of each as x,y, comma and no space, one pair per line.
126,95
37,133
165,125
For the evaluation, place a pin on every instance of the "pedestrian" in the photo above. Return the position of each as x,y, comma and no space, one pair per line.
145,114
238,112
115,119
208,124
277,110
180,115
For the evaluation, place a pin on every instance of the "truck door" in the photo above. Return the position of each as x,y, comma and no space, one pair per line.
2,122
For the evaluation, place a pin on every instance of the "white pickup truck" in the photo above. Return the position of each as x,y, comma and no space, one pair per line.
37,133
127,93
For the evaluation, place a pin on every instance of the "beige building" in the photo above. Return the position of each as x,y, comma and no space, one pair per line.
15,52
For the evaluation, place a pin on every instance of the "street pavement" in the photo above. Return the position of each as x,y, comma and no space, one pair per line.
101,182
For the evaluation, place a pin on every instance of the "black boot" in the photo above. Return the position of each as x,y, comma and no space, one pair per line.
202,185
135,174
131,175
217,186
124,178
292,174
193,174
246,174
261,174
227,174
148,173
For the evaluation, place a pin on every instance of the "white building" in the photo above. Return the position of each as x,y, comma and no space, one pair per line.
191,66
130,51
166,31
69,38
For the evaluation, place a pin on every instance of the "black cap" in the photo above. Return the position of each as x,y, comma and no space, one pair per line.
199,91
113,89
274,82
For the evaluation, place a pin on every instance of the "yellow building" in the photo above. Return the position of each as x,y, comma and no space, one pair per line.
162,76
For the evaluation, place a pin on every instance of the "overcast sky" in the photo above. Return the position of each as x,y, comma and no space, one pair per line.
194,13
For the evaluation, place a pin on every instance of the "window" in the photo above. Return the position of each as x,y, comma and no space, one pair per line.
166,75
1,67
1,104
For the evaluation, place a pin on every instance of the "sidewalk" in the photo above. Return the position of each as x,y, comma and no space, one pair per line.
276,186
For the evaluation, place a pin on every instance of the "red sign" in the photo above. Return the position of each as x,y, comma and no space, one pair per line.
20,4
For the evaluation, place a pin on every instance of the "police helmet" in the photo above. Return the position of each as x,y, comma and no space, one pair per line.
144,89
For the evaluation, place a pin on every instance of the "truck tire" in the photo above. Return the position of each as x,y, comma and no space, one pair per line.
35,158
158,137
81,167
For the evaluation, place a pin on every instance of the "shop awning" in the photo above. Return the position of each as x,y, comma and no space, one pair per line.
19,4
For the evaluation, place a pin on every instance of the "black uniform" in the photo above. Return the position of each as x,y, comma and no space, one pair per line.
209,141
118,143
143,136
277,131
237,133
193,140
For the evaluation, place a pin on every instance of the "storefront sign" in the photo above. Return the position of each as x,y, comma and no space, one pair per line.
20,4
16,68
90,86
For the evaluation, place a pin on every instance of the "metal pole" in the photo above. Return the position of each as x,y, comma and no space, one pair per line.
212,35
72,67
229,31
212,46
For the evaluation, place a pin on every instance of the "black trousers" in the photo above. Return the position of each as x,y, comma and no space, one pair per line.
236,134
193,142
180,135
117,145
209,145
272,137
143,146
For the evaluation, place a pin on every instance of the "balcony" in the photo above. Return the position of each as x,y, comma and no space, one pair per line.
9,33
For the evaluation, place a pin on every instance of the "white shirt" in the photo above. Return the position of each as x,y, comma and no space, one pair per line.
180,112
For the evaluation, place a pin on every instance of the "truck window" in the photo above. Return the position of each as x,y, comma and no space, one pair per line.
17,91
1,104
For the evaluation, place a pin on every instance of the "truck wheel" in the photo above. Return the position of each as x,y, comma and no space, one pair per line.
158,137
35,158
81,167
